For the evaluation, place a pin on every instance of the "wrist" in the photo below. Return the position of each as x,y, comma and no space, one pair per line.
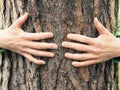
118,44
1,49
1,39
117,58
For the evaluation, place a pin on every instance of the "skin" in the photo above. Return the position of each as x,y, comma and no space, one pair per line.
100,49
15,39
103,48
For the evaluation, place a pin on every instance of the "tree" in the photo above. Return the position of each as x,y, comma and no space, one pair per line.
60,17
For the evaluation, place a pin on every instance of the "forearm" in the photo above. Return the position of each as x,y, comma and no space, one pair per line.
4,38
1,38
117,47
117,58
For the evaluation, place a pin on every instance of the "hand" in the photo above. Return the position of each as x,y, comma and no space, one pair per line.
100,49
24,43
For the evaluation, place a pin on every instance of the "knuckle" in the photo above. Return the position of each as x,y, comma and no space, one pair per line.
78,48
98,43
97,50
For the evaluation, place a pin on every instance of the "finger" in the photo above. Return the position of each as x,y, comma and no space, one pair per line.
39,53
37,36
40,45
80,38
20,21
101,29
84,56
77,46
84,63
34,60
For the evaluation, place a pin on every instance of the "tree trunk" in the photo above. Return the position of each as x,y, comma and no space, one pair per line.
60,17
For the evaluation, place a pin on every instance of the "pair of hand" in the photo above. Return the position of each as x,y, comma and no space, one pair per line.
100,49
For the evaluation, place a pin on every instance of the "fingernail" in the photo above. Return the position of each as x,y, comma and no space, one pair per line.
26,12
68,36
43,62
51,34
56,46
75,64
52,54
48,33
96,18
64,43
66,54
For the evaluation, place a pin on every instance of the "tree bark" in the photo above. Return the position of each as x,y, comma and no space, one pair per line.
60,17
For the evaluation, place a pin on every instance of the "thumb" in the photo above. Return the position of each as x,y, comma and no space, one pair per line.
100,28
20,21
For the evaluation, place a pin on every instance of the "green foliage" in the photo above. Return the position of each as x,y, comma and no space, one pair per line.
118,24
118,33
119,76
2,50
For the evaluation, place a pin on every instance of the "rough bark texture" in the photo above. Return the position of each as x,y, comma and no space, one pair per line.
60,17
